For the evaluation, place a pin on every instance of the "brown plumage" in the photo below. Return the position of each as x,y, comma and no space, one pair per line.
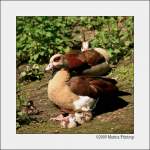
88,86
89,58
102,51
80,62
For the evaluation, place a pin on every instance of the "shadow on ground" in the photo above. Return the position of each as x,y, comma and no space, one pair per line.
109,106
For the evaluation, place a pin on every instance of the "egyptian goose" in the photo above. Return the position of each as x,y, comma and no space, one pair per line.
87,62
78,94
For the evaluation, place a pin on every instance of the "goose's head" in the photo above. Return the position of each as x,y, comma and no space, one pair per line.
56,62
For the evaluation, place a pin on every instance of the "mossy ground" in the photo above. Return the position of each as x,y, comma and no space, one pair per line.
119,121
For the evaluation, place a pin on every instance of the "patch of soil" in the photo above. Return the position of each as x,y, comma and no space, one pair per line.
119,120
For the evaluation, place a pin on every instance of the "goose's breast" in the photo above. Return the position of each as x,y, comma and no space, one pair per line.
61,95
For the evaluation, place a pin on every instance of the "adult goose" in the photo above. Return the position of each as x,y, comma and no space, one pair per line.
87,62
78,94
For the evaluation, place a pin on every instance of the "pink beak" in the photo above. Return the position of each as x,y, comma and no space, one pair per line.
49,67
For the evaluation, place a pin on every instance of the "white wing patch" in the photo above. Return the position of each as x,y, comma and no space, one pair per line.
84,103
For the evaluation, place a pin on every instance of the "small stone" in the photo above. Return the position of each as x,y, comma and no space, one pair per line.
56,131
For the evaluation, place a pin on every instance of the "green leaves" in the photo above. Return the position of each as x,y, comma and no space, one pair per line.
31,73
116,35
40,37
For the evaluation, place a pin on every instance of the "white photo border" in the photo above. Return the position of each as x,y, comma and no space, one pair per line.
9,11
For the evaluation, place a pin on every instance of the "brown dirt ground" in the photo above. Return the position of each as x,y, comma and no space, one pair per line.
118,121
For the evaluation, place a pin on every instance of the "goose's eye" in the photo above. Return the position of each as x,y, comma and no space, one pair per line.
56,59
